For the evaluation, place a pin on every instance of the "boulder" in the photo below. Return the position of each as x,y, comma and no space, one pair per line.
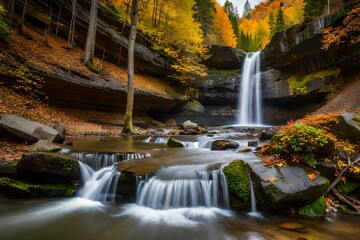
189,125
44,146
23,129
172,142
48,168
286,187
348,126
193,107
7,168
223,145
238,184
58,126
18,189
224,57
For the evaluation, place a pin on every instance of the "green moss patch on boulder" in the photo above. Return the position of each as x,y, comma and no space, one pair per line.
18,189
314,209
238,183
348,186
172,142
48,168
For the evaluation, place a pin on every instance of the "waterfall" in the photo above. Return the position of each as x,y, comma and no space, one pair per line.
101,185
253,212
99,160
250,105
184,186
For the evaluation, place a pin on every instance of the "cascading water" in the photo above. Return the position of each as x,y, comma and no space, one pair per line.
184,186
250,102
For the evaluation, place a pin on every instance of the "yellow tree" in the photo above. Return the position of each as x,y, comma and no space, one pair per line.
223,29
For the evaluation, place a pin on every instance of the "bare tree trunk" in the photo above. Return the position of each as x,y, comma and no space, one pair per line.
11,8
128,126
72,25
58,18
49,25
21,28
91,35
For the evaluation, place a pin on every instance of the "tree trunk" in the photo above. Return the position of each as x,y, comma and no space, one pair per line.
11,10
91,35
58,18
72,25
128,126
47,31
21,28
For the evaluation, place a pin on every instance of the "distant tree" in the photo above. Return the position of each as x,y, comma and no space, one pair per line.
233,16
128,125
272,23
11,7
312,9
204,14
48,26
21,27
72,25
280,21
247,8
222,28
91,35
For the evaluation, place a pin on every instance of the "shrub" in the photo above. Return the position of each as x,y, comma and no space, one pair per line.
301,142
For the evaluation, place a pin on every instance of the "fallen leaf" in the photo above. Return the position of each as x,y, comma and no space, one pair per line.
312,176
273,179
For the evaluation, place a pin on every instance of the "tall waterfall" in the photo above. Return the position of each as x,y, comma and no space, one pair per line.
250,105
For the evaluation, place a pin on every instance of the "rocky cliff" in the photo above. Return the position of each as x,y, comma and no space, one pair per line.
297,75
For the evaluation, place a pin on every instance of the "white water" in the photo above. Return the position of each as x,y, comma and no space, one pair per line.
182,187
253,212
250,105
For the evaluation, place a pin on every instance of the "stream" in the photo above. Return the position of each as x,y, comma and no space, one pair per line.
183,200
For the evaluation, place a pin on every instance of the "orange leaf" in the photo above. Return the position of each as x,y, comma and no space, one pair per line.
312,176
273,179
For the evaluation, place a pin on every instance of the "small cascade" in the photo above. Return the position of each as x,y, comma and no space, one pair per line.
253,212
250,102
100,185
99,160
164,140
184,186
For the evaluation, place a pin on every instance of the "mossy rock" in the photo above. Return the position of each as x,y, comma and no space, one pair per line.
224,145
172,142
18,189
238,183
314,209
348,187
48,168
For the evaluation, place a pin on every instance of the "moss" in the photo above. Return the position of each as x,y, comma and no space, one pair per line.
8,182
94,68
238,183
172,142
214,71
314,209
348,187
298,83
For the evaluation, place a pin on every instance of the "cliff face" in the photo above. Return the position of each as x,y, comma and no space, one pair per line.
297,75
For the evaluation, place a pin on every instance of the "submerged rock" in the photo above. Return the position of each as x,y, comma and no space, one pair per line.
286,187
48,168
224,145
238,184
172,142
18,189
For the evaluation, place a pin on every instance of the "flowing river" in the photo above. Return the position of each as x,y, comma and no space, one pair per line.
177,197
